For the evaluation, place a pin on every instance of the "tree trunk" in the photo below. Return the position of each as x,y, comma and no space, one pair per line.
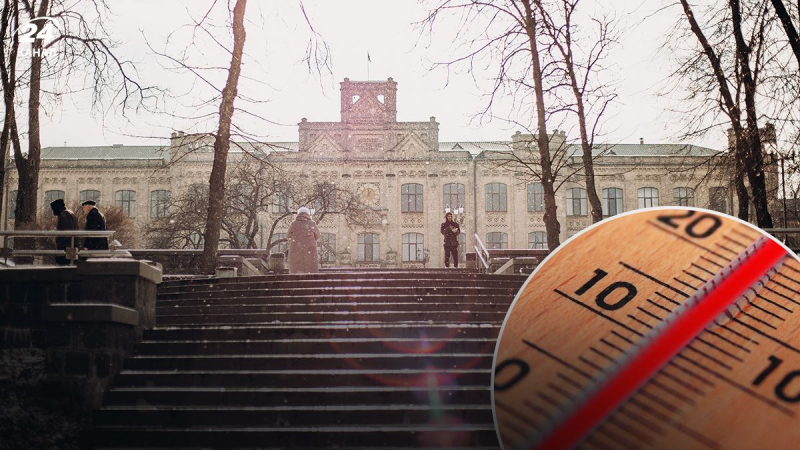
216,183
586,146
9,135
28,166
543,140
788,26
754,160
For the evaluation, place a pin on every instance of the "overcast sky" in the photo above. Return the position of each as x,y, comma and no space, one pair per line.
277,37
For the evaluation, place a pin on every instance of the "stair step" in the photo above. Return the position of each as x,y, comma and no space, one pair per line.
300,437
304,378
315,331
385,298
343,290
316,284
249,306
290,416
338,361
315,346
330,316
359,395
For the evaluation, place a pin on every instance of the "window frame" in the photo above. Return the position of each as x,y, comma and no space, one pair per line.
159,203
374,247
127,205
491,243
535,197
687,198
645,195
460,195
619,204
496,197
412,202
537,244
418,247
581,199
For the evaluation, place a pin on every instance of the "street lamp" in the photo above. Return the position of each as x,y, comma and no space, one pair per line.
458,213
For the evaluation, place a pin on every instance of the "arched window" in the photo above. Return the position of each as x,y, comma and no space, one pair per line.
576,202
159,203
327,248
683,196
49,196
496,197
535,197
90,194
454,195
127,201
537,240
612,201
411,197
648,197
195,240
413,247
496,240
369,247
718,199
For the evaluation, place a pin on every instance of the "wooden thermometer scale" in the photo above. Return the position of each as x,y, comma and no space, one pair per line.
665,328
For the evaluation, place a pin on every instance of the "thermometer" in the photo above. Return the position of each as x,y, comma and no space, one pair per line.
663,328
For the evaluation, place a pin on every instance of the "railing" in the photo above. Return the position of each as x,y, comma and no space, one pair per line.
776,232
482,252
71,253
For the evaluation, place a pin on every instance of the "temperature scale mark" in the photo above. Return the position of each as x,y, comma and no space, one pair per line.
676,334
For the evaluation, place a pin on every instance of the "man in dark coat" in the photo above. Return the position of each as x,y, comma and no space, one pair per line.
450,229
66,222
95,221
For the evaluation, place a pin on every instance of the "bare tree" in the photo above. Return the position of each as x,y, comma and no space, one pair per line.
68,38
788,25
580,69
9,21
216,183
509,34
731,74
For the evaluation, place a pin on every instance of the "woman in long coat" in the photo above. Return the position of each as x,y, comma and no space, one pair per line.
302,236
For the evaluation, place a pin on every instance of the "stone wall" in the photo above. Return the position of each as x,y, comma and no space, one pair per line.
64,333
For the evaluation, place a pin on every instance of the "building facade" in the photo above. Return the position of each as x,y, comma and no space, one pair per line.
405,173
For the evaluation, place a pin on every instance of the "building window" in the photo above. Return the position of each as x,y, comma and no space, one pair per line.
454,195
327,248
718,199
90,194
537,240
683,196
576,202
280,248
462,247
496,197
159,204
127,201
612,201
411,198
12,204
496,240
413,247
368,247
49,196
535,197
282,203
648,197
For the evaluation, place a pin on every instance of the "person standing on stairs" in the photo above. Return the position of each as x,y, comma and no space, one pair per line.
66,222
450,229
302,236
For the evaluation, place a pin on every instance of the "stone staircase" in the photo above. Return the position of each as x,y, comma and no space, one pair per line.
332,360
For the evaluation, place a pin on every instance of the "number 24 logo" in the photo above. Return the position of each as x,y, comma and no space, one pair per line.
28,31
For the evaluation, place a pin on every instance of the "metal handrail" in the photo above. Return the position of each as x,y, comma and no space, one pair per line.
72,234
483,247
483,261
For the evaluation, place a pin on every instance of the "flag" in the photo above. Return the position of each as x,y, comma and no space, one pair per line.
368,58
